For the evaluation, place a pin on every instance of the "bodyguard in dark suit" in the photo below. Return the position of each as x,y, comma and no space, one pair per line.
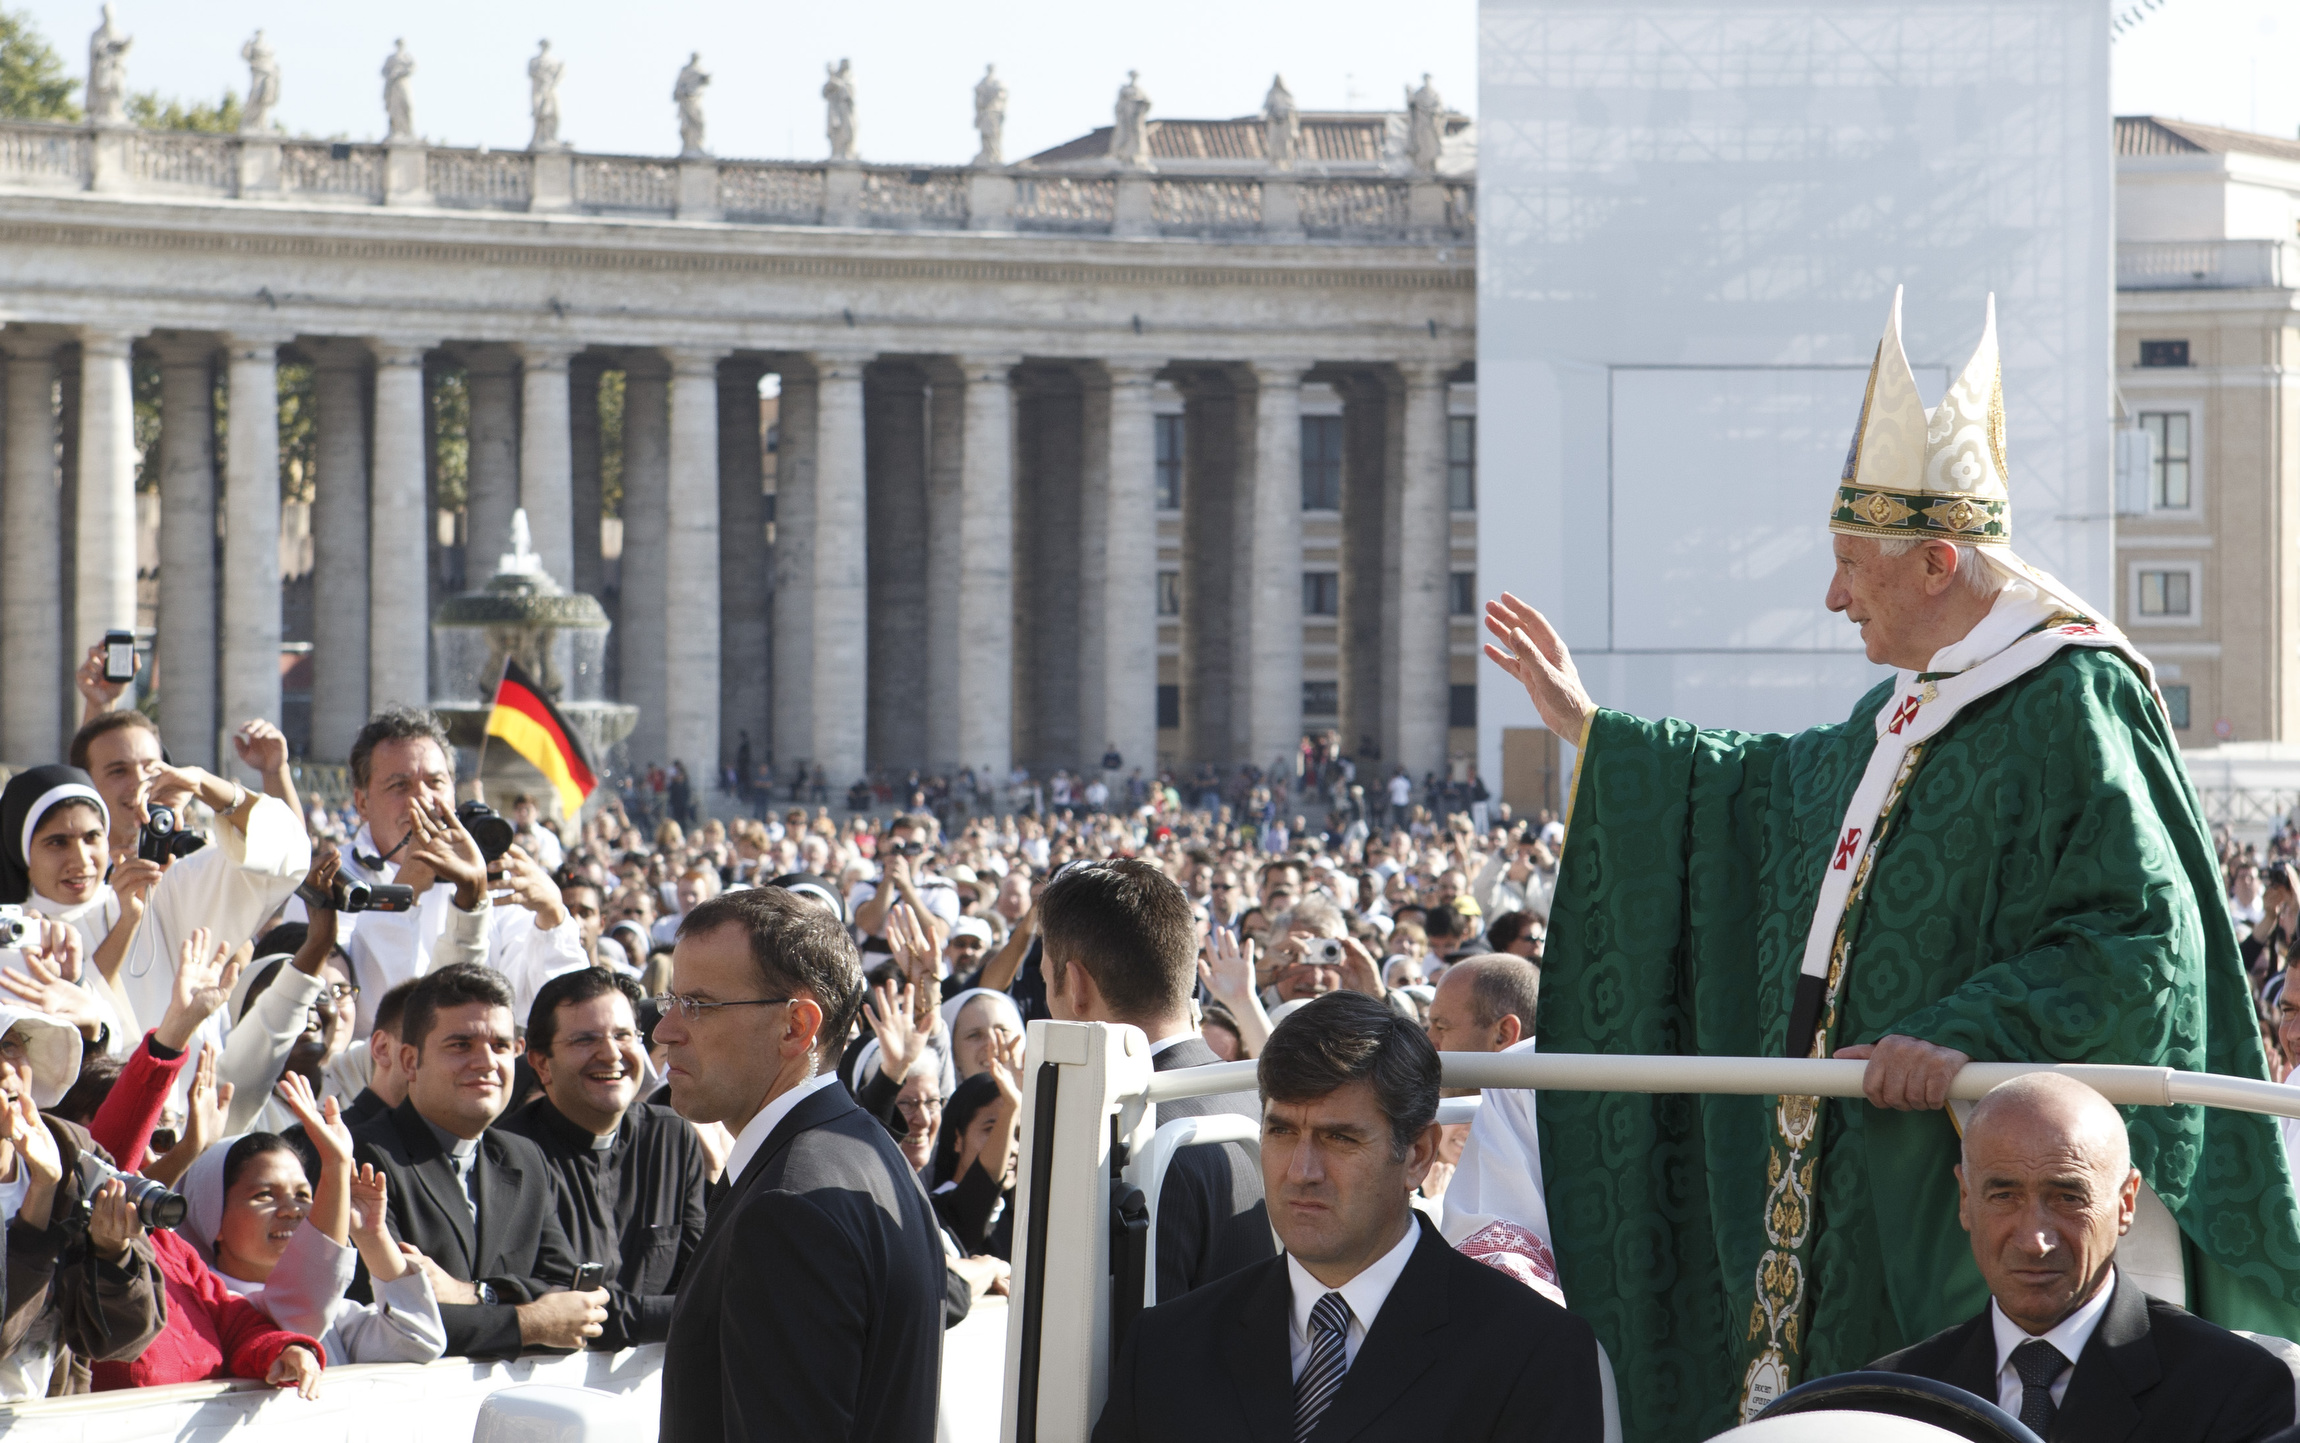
1121,946
813,1308
1369,1328
2076,1351
476,1201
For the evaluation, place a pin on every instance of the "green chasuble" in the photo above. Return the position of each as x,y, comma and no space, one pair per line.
2045,891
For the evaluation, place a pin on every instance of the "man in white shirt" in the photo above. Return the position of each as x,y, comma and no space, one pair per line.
2068,1345
507,915
1369,1320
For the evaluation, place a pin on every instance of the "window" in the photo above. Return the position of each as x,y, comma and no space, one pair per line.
1169,593
1321,463
2176,702
2168,477
1321,698
1461,462
2165,593
1169,705
1461,594
1321,593
2164,353
1167,432
1461,707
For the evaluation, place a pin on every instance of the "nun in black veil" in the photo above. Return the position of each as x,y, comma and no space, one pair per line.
53,861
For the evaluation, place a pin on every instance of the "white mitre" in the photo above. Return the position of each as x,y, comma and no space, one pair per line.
1938,475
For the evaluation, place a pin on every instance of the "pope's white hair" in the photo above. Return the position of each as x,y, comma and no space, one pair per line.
1974,570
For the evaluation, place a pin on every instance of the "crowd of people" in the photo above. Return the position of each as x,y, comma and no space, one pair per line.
289,1085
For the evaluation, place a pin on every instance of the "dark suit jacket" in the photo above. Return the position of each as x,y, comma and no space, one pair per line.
2150,1372
1211,1218
813,1309
518,1247
1459,1351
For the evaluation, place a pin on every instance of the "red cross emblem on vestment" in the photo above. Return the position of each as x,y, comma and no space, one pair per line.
1903,714
1845,849
2080,629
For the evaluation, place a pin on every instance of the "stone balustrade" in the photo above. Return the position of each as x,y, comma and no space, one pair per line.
1359,209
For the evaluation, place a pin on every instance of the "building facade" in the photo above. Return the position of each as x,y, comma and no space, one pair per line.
1174,453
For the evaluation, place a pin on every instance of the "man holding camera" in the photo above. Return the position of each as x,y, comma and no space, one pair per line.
493,905
170,881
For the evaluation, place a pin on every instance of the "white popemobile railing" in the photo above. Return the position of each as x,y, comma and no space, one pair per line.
1080,1239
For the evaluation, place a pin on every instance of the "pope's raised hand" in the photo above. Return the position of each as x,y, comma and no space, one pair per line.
1532,651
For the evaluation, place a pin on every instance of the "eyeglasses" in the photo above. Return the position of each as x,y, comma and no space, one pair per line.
691,1008
336,992
929,1107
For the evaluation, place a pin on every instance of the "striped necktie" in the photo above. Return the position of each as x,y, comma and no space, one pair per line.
1329,1360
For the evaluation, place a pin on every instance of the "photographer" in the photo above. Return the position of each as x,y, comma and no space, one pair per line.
256,854
905,875
505,914
2268,947
82,1281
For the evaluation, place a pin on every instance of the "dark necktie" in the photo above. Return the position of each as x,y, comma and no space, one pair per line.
716,1190
1329,1359
2037,1362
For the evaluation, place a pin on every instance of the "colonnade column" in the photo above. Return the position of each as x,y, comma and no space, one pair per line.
794,605
546,457
646,576
185,649
841,581
691,607
745,572
945,486
1420,672
1273,681
251,620
339,526
587,572
1129,661
491,474
31,575
104,528
986,569
399,549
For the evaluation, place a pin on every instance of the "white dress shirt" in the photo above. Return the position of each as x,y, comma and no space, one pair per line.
754,1133
2069,1336
1365,1294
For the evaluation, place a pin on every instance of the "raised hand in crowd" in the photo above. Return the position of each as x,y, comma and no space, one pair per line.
440,850
1227,966
172,787
43,1164
205,1108
96,693
522,882
1361,971
263,749
370,1232
902,1043
331,1137
206,972
50,979
912,940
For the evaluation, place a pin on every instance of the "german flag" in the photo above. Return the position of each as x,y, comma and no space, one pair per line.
525,719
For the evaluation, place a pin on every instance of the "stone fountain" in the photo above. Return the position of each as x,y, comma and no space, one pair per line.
558,636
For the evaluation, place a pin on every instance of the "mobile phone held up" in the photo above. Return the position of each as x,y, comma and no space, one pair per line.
588,1276
119,656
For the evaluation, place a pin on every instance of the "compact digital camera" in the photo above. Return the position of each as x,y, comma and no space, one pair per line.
158,840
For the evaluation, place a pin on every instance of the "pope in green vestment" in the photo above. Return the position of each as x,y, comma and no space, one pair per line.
2040,886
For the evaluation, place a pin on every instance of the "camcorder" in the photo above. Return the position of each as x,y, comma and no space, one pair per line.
156,1205
347,895
159,841
487,826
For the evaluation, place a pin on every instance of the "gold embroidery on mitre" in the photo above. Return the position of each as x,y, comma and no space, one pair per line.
1878,509
1996,429
1958,513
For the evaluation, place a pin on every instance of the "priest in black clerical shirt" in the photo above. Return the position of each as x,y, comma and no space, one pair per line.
630,1175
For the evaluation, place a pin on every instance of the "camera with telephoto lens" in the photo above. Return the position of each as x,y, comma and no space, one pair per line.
159,841
349,895
156,1205
15,926
487,826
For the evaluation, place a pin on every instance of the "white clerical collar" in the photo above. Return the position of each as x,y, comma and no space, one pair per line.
1165,1042
754,1133
2068,1336
1365,1293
